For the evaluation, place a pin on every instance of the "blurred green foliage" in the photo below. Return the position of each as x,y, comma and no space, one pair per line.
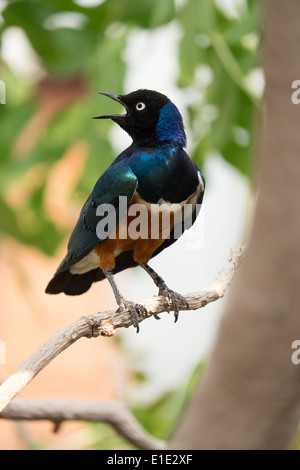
158,418
229,48
92,53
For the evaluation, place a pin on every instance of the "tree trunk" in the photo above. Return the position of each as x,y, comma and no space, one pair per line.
250,395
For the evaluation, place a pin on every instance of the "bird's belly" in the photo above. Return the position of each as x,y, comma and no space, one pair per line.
142,231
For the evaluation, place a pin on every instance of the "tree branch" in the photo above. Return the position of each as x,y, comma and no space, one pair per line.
105,324
114,413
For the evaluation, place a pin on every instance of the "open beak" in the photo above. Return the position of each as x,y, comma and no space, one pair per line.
114,97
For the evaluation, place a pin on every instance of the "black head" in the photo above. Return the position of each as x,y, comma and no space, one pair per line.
147,116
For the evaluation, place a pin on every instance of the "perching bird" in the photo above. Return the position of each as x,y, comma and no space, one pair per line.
155,172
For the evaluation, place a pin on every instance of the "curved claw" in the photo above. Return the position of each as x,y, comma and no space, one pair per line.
135,310
175,298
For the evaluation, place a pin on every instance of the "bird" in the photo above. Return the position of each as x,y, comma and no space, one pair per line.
154,173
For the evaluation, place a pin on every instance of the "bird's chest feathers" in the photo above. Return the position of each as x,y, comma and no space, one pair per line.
155,171
155,160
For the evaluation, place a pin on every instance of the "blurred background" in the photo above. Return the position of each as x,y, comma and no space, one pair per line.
55,57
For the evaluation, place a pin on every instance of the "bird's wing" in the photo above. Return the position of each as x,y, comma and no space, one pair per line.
118,180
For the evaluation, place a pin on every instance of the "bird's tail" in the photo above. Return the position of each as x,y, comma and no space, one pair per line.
76,284
73,284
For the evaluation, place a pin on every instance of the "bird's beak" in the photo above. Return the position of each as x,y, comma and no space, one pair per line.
114,97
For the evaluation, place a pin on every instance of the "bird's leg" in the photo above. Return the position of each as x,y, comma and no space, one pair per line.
135,309
165,291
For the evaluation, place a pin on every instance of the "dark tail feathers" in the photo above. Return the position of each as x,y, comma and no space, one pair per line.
76,284
73,284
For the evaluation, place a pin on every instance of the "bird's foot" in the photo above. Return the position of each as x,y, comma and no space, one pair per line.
175,298
135,310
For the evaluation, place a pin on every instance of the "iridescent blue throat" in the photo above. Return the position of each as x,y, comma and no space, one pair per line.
170,126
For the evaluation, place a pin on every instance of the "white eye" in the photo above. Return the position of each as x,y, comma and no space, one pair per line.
140,106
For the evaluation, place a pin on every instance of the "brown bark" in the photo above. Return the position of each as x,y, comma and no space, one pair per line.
250,395
114,413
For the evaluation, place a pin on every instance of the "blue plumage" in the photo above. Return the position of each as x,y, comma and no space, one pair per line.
155,168
165,173
169,127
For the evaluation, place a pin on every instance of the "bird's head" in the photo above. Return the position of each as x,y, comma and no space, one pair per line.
150,117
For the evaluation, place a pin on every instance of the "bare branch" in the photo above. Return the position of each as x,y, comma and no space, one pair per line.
114,413
105,324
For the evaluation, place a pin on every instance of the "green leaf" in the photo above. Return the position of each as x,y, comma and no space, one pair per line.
213,39
62,51
144,14
29,227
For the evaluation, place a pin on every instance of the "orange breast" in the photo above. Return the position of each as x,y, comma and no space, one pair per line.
124,238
